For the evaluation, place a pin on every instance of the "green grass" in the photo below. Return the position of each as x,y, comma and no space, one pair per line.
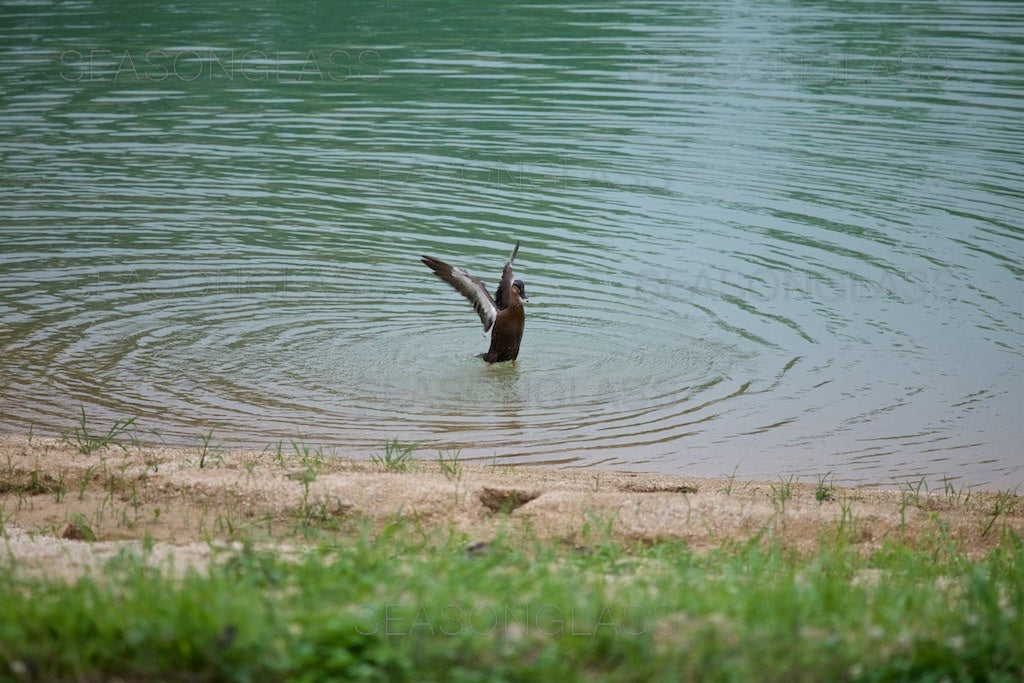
86,441
209,453
825,491
403,604
450,466
731,480
1005,502
781,493
396,457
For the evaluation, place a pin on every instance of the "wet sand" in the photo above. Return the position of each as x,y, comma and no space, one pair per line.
65,512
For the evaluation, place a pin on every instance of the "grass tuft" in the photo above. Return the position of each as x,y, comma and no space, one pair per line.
86,442
731,480
1005,502
450,466
825,491
209,454
781,493
79,529
396,457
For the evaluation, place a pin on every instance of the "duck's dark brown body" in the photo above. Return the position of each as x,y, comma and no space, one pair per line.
503,315
507,333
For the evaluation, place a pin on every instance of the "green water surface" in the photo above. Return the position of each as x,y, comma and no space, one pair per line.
770,238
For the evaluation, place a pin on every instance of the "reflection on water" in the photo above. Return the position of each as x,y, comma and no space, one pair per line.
777,240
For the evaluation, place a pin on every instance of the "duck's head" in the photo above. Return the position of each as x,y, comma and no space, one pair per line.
519,287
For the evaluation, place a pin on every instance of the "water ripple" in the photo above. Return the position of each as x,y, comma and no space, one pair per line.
765,240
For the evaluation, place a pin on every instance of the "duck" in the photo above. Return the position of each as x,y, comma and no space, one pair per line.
502,315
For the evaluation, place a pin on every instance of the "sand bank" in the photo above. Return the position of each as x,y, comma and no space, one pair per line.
65,511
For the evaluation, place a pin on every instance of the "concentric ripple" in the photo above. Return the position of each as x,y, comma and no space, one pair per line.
770,241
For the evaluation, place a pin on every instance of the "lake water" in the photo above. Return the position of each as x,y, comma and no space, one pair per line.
772,239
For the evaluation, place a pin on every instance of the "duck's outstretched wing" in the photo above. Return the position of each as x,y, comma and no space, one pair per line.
468,286
503,294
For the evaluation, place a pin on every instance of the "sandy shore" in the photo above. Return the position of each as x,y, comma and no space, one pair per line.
63,511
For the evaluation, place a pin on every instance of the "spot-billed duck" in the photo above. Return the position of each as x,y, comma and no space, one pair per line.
503,315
